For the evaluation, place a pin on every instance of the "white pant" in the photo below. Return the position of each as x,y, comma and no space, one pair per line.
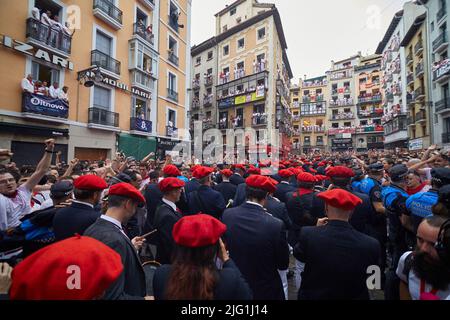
283,276
299,268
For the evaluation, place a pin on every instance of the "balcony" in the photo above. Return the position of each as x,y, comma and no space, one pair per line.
142,80
105,62
341,102
259,121
410,79
419,93
411,121
390,97
419,69
369,99
342,116
223,124
410,98
307,99
313,113
376,113
237,123
150,4
296,118
208,124
440,43
207,101
43,36
109,13
195,103
209,80
100,118
296,104
143,32
196,84
442,105
311,129
421,116
44,108
409,59
418,48
446,137
173,58
172,95
370,129
139,126
307,143
320,143
441,71
171,132
441,14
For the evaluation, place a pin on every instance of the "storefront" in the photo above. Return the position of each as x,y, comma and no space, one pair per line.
166,147
135,146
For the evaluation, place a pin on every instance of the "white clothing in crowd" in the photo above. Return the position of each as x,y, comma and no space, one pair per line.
13,209
27,85
55,92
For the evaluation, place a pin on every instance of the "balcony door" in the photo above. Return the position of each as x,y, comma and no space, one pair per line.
103,43
43,73
141,109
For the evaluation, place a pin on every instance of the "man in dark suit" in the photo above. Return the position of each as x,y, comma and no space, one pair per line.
284,187
153,197
206,199
123,201
257,241
241,196
237,177
166,216
336,256
81,213
226,188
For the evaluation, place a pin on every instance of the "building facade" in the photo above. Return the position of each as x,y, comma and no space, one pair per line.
369,131
106,53
247,64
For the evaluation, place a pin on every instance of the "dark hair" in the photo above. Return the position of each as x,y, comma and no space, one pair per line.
435,221
341,181
51,178
16,175
203,180
194,274
254,193
116,201
441,210
83,194
154,175
390,161
131,174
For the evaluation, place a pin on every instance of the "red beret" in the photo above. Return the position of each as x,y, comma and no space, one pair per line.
239,166
340,198
171,171
261,182
126,190
90,182
226,172
254,170
199,230
170,183
202,172
193,168
313,170
285,173
306,177
320,177
340,171
49,273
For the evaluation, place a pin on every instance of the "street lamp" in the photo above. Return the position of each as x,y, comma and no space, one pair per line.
90,76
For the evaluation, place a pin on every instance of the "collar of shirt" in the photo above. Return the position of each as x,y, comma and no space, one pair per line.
284,182
170,203
237,174
112,220
255,204
85,203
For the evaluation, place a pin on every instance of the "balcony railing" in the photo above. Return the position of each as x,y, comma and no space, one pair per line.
446,137
341,102
171,132
207,101
443,105
343,116
410,79
143,32
421,116
296,104
369,99
237,123
419,93
439,42
316,129
418,47
173,58
441,13
48,36
370,129
411,121
259,120
296,118
318,112
104,61
307,99
141,78
138,124
370,114
108,8
209,80
196,84
98,115
409,59
223,124
173,95
195,103
419,69
441,71
320,143
307,143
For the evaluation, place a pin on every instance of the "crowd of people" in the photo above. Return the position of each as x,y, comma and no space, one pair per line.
148,229
41,88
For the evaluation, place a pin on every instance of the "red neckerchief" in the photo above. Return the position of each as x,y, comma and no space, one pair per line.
415,190
302,192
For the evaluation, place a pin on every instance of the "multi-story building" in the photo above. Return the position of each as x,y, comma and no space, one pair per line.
369,130
393,79
106,54
250,74
311,113
341,111
296,119
415,43
438,23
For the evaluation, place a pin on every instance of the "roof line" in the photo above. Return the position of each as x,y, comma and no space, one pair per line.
413,29
394,23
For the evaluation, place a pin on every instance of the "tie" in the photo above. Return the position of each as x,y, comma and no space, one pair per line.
179,211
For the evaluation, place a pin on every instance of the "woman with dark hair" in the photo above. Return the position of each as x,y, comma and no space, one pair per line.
194,273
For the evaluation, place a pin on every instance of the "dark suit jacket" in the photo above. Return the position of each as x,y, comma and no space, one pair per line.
153,198
336,258
131,283
241,195
230,285
74,219
282,190
278,210
236,179
257,244
191,185
165,219
206,200
227,189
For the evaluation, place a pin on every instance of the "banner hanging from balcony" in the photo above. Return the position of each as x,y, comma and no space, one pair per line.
47,106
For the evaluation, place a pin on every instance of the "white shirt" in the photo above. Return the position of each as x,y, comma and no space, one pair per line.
85,203
54,93
45,19
254,203
170,203
414,282
115,222
27,85
63,96
35,13
12,210
45,205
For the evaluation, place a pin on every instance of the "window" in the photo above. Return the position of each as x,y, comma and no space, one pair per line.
240,65
233,12
141,110
173,16
347,124
173,46
103,43
171,118
241,43
43,73
102,98
261,33
335,125
210,55
198,61
141,58
432,26
209,71
319,139
172,82
226,50
141,17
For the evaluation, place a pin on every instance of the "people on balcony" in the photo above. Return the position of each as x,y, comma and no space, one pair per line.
259,118
54,90
27,84
343,115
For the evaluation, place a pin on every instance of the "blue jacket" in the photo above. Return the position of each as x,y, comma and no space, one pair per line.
356,186
241,195
206,200
278,210
191,186
257,244
227,189
153,198
282,190
236,179
420,206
